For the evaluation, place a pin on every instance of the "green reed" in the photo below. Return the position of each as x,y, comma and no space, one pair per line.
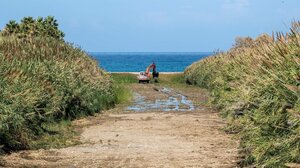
44,80
256,85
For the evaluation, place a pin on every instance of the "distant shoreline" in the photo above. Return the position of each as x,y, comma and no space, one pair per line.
139,72
136,62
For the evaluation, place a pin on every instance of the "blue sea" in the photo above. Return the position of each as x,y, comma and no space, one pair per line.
136,62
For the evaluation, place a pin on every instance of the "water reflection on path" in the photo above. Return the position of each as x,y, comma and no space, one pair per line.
174,102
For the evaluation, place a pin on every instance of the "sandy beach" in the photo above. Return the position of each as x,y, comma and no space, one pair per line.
136,73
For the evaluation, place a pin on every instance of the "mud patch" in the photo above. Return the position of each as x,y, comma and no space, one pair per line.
174,101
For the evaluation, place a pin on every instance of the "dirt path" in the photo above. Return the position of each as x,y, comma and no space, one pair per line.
173,129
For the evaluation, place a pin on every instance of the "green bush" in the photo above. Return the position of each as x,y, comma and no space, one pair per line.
257,88
30,27
45,80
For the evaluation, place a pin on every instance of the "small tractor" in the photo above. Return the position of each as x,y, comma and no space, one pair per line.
145,77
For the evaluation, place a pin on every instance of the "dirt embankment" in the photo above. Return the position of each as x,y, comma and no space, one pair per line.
173,129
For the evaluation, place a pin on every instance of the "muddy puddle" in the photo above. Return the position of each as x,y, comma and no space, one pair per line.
174,101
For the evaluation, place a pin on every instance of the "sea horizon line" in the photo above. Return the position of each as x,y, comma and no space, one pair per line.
150,52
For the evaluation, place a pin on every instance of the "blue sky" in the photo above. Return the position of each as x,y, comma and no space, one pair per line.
157,25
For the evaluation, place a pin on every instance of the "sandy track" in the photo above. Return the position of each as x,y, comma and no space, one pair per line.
143,139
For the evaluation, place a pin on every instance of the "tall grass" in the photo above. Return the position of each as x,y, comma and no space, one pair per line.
121,83
256,84
44,80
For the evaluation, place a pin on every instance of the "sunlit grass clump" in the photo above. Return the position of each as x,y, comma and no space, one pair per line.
44,80
257,86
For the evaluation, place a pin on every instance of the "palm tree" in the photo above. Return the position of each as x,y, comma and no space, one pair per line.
11,27
30,27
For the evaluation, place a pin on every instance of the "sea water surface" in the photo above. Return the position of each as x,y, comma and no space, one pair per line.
136,62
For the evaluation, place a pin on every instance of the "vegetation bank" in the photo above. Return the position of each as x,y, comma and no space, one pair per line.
45,81
256,84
